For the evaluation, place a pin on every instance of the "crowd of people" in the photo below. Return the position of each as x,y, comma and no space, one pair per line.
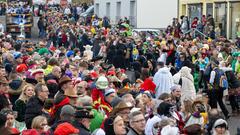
86,76
3,8
18,7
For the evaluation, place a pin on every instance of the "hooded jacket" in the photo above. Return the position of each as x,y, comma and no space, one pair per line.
59,102
163,80
185,79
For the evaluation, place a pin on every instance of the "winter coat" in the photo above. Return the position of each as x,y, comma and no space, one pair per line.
85,40
185,79
96,47
110,54
171,57
133,132
98,101
34,108
40,25
194,24
54,126
59,102
82,129
16,89
119,60
4,101
20,107
163,80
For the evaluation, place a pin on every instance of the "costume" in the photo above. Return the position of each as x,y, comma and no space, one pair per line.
99,102
163,80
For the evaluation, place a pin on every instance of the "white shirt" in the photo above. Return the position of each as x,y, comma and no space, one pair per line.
79,10
67,11
1,28
212,77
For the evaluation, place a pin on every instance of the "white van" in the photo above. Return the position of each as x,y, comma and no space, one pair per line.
88,12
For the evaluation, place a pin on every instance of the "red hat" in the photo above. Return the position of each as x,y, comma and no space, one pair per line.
21,68
37,71
25,58
52,48
111,73
123,70
65,129
148,85
94,75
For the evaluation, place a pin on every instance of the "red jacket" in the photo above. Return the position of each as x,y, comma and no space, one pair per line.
194,24
99,102
64,38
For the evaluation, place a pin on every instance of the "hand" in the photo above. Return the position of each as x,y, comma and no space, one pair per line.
46,128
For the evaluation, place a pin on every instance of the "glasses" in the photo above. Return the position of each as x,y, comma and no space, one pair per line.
138,121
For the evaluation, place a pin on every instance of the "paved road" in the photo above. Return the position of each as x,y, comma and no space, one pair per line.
233,122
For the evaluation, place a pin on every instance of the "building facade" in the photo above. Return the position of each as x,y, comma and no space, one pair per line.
226,13
141,13
116,9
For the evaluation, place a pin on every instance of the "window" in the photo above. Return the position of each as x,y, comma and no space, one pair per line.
221,17
194,10
209,9
97,8
118,12
235,19
108,10
132,16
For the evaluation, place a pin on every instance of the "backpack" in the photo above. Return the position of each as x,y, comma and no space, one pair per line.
220,80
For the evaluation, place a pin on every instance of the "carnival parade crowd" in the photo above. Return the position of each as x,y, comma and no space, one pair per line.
88,77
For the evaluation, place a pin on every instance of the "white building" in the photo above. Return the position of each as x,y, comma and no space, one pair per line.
141,13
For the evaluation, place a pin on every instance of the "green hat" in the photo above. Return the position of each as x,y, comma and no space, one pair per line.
42,51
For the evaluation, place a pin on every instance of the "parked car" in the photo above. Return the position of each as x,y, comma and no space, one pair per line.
88,12
148,32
